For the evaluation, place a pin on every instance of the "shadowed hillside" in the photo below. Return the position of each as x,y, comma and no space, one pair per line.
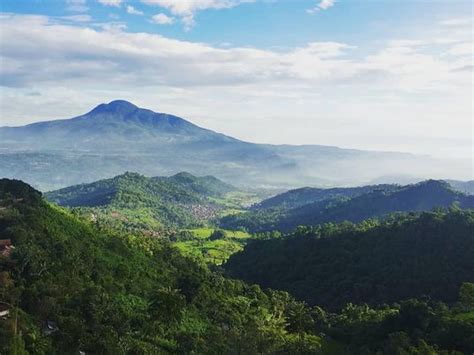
329,265
377,202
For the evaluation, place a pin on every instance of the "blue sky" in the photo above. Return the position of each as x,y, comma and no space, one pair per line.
270,23
375,74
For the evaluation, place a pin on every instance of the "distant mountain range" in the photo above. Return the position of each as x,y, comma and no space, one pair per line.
309,206
117,137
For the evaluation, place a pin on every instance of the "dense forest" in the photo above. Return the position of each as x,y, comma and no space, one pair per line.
306,195
377,202
68,286
101,292
414,255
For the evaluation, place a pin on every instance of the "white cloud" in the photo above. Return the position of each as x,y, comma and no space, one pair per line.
162,19
76,5
326,4
457,22
323,5
77,18
115,3
330,92
34,41
133,11
186,9
462,49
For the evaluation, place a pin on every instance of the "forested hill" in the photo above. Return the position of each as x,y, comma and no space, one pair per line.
423,196
306,195
182,199
67,287
81,289
123,189
419,254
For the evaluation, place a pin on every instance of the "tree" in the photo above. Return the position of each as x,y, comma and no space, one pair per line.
218,234
466,297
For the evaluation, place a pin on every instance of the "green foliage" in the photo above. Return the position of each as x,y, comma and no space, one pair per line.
406,256
132,202
74,287
218,234
353,205
306,195
199,243
466,297
115,293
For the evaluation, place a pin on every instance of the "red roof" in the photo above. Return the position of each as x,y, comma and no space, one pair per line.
5,242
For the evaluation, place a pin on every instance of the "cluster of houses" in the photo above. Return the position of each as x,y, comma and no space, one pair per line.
6,248
4,311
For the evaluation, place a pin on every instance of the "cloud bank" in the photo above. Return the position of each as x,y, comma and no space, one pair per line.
322,92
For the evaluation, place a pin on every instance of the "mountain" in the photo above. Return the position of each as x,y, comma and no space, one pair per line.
159,202
306,195
117,137
466,187
379,202
70,287
409,256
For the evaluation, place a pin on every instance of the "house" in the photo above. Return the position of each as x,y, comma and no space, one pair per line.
6,247
4,311
50,327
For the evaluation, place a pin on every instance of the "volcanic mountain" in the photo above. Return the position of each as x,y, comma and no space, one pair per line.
119,136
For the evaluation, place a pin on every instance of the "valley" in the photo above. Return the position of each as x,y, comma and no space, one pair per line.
187,210
120,283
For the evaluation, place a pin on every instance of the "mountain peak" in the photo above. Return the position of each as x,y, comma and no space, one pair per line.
184,175
116,106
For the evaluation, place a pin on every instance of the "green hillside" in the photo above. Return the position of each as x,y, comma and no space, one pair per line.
116,294
423,196
374,262
68,288
306,195
133,201
214,246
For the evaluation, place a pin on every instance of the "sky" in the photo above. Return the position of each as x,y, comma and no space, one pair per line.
391,75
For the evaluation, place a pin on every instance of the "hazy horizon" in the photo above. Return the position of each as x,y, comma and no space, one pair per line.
242,139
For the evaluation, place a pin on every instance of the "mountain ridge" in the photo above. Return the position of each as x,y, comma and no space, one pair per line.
377,203
119,136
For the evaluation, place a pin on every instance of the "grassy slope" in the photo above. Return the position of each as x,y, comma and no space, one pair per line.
213,251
